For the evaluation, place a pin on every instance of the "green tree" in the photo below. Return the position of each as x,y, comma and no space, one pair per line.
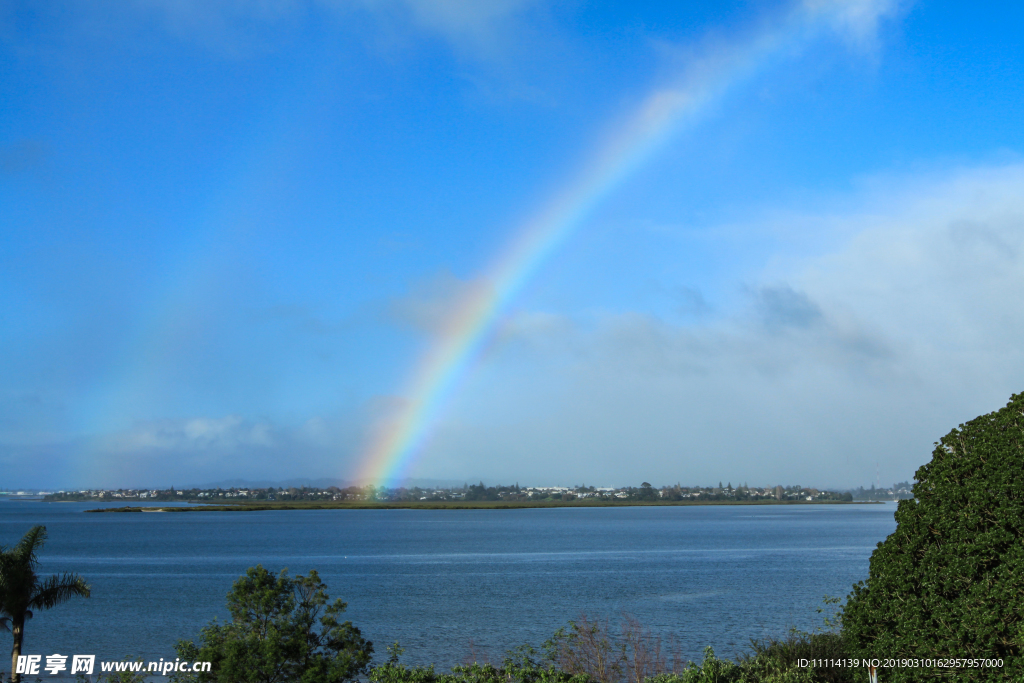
281,629
120,676
647,492
22,590
949,582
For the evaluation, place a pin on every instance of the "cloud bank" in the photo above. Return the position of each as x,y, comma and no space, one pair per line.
862,353
856,354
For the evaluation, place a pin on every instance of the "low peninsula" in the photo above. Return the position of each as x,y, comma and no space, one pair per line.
476,496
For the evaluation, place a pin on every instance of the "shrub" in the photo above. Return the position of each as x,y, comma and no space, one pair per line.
590,652
949,582
519,666
282,629
774,658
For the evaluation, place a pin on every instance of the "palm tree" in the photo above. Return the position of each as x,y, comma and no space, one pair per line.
22,591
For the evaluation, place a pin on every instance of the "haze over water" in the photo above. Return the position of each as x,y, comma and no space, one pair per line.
434,580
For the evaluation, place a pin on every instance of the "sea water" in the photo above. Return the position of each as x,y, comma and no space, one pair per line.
445,583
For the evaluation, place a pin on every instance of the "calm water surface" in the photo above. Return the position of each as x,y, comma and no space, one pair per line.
435,580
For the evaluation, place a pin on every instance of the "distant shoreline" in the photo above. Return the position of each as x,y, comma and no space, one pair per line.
461,505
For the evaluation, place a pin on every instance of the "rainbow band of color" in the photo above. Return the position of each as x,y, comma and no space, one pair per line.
439,372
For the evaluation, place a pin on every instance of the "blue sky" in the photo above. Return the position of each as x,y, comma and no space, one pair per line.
230,231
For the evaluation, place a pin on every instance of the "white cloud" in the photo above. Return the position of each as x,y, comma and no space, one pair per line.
201,434
856,20
464,23
204,449
244,26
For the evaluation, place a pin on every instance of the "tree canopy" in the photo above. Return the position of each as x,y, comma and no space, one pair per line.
281,629
949,582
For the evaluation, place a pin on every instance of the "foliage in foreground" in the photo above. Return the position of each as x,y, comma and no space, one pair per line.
588,652
949,582
281,629
285,630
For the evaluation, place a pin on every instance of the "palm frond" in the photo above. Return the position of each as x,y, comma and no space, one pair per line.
59,588
25,551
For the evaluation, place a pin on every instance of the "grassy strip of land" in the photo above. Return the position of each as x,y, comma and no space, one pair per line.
450,505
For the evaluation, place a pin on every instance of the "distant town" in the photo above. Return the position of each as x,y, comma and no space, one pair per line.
477,492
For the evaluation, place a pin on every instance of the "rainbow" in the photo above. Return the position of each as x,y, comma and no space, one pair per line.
394,447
